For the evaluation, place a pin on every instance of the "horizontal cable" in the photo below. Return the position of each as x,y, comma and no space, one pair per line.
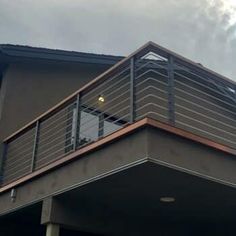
18,155
107,95
16,162
40,146
155,88
138,68
19,140
204,131
67,113
114,121
66,126
64,109
205,101
150,79
200,91
153,104
88,128
14,175
151,70
18,166
110,101
217,121
151,95
204,108
102,128
108,80
47,156
209,80
23,135
52,147
104,112
149,113
107,89
13,150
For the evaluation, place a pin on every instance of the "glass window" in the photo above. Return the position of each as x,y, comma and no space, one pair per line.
88,127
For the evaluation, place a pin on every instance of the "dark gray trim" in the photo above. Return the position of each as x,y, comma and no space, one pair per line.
132,86
17,52
3,152
101,125
36,136
77,122
171,90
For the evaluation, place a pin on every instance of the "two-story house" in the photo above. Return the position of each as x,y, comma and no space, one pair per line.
108,145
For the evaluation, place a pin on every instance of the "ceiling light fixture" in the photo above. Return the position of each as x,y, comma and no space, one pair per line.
101,98
167,199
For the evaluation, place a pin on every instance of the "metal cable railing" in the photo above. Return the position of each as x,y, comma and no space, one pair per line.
152,83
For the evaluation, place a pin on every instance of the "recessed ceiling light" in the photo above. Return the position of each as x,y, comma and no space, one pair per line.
167,199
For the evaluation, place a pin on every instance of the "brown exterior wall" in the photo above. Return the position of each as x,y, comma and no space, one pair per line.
31,89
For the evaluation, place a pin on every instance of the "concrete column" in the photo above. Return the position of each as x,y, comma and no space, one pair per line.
53,230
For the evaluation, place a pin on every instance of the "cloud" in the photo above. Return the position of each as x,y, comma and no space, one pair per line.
203,30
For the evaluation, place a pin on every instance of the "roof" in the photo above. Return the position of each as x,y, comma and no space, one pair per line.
9,52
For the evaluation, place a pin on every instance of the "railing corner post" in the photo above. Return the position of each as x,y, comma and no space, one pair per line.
171,91
3,149
76,122
132,89
35,145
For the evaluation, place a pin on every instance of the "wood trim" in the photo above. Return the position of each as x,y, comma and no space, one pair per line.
112,137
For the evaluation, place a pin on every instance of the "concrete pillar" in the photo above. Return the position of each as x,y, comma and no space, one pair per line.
53,230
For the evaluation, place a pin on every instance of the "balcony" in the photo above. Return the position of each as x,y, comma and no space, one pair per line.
151,83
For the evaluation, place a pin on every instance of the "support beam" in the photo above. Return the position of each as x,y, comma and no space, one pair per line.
53,230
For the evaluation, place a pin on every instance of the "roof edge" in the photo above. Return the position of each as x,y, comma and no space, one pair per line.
14,52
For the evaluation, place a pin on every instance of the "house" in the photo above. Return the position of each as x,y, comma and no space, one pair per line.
106,145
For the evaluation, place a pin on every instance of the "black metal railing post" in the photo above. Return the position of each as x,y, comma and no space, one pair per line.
171,91
35,145
235,93
2,161
100,125
132,90
76,120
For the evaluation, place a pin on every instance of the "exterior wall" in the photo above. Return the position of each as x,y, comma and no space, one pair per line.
191,157
149,144
31,89
118,155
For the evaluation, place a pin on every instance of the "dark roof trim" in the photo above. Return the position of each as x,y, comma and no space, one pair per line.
17,52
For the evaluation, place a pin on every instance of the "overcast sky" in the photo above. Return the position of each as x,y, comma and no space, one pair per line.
202,30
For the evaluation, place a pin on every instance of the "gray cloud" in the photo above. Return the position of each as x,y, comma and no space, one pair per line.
202,30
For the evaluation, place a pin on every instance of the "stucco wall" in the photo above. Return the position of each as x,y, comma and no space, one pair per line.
31,89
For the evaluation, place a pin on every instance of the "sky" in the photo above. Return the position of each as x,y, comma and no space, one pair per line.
201,30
